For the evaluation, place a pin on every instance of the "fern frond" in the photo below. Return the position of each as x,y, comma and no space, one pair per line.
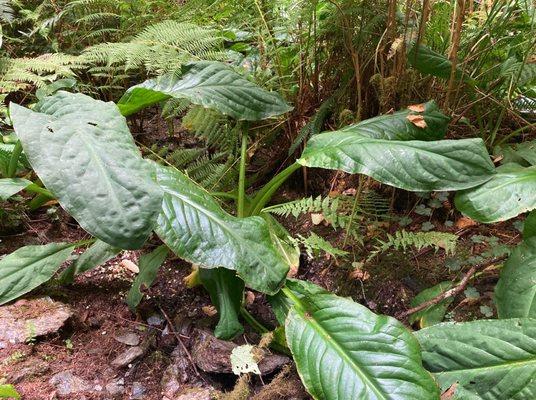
21,73
314,126
336,210
211,126
182,157
403,239
212,172
160,48
6,11
315,244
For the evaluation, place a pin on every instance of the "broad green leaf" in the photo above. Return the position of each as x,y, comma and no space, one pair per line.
226,292
433,314
8,392
507,194
97,254
345,351
149,265
83,152
11,186
515,293
529,226
490,359
196,228
429,62
397,126
30,266
212,85
412,165
523,153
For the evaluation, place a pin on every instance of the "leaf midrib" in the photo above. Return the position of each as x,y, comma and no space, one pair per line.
211,215
508,364
310,319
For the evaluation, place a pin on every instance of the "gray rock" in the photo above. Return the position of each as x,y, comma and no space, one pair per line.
27,370
155,320
128,338
66,383
129,355
28,319
116,387
137,392
214,355
195,394
178,374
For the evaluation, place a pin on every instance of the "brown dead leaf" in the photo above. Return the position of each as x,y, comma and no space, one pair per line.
350,192
447,394
317,218
250,297
50,203
417,120
334,193
358,272
498,158
416,107
465,222
127,264
293,271
209,310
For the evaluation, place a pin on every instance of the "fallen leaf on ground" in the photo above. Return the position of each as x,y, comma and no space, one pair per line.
317,218
130,266
250,297
465,222
209,310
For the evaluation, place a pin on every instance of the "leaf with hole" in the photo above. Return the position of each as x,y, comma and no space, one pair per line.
196,228
345,351
212,85
487,359
30,266
244,360
83,152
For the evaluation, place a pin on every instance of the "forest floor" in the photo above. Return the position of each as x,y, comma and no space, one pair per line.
80,360
104,351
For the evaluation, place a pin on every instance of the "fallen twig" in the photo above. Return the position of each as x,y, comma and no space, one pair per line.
179,339
453,291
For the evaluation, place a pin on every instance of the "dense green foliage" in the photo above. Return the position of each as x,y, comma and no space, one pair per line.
300,79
